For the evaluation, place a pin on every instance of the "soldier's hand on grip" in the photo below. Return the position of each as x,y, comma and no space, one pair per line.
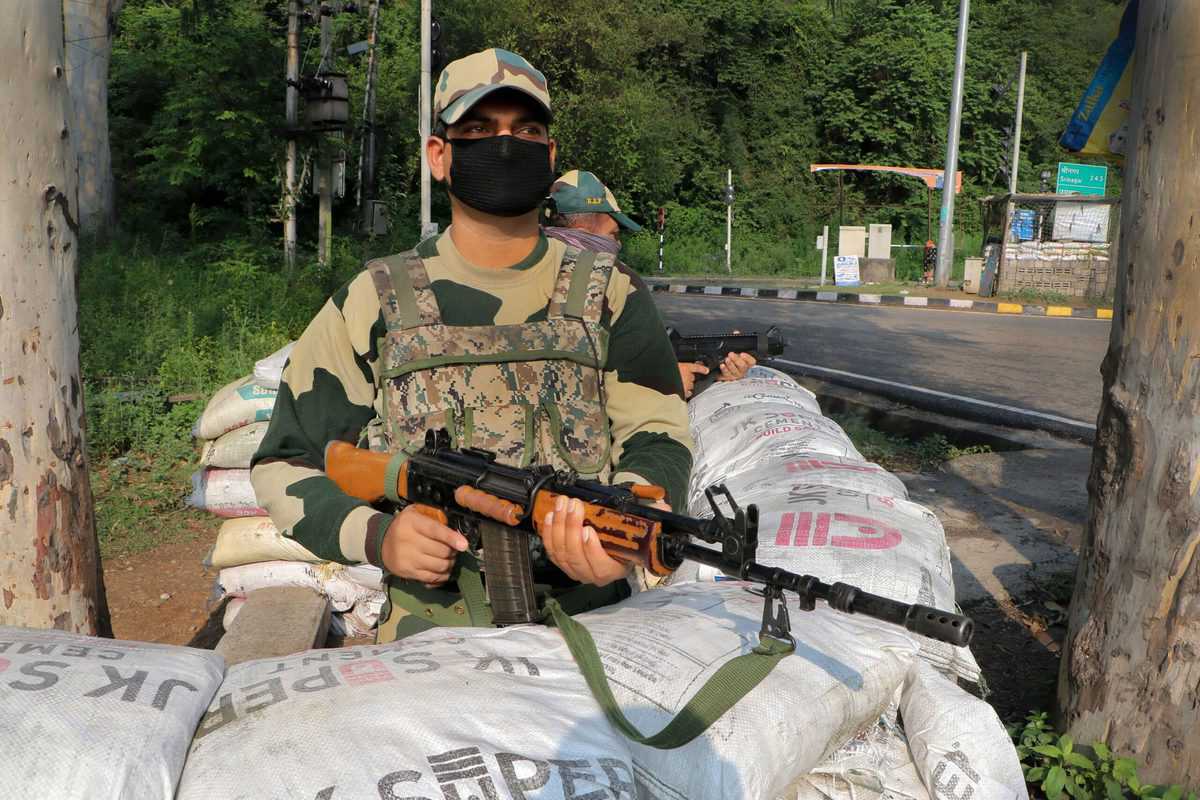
576,548
419,546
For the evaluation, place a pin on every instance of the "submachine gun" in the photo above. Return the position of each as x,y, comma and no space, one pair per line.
710,349
498,507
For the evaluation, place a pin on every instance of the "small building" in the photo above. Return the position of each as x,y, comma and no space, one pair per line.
1050,243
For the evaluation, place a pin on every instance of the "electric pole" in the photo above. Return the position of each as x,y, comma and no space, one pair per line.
945,254
1016,156
729,221
293,122
366,152
425,110
325,177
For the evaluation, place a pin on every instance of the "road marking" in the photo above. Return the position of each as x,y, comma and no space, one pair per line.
1009,308
916,301
1104,313
1058,311
787,294
827,296
678,288
712,289
749,291
956,303
1083,426
870,298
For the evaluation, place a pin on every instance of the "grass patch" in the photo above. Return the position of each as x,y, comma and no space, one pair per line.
897,453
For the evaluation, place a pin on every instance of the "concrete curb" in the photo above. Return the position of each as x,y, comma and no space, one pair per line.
833,296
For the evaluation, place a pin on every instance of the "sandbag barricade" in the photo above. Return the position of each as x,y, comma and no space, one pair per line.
660,646
824,511
249,548
450,713
97,718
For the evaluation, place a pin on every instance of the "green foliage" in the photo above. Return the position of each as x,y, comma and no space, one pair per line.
659,102
1054,763
897,453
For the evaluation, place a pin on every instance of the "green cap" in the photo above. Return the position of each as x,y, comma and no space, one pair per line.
580,192
470,79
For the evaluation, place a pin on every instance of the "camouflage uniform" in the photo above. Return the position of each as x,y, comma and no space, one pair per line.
419,340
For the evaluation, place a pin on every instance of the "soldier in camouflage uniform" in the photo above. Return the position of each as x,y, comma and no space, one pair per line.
514,342
586,215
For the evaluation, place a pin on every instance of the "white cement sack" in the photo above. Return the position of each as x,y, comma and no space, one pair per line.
959,745
453,713
737,438
234,450
239,403
97,718
761,385
771,479
327,579
659,646
875,765
224,492
883,545
268,371
250,540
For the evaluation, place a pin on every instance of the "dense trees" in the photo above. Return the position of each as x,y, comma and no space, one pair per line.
658,97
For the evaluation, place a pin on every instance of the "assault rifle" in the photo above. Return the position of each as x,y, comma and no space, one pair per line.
710,349
499,507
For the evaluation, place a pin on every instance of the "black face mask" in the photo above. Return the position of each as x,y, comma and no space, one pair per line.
500,175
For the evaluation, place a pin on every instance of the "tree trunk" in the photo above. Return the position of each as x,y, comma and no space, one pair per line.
1131,668
49,565
89,28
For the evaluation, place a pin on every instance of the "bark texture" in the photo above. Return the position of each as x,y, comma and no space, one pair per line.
89,27
1130,673
49,566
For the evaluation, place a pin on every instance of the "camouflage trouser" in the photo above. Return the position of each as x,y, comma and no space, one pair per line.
412,608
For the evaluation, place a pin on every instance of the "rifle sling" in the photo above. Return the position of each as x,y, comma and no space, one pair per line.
726,687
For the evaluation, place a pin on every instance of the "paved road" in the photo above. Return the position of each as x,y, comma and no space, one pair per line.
1045,364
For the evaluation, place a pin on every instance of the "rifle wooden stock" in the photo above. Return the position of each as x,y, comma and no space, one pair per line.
624,536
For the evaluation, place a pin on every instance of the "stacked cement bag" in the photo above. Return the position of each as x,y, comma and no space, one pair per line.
250,551
96,718
453,713
825,511
505,713
230,430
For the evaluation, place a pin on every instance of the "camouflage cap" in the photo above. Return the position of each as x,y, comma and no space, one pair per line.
580,192
469,79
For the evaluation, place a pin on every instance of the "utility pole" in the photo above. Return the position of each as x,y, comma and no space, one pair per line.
293,122
426,110
365,192
945,253
824,252
729,221
325,178
1016,157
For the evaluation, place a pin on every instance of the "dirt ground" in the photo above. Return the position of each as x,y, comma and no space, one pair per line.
162,595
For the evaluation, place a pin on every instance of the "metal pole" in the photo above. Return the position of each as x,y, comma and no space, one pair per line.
824,252
365,191
729,226
426,111
661,238
325,185
1016,156
293,121
945,253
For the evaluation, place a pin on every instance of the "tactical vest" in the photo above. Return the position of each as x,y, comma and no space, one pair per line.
530,392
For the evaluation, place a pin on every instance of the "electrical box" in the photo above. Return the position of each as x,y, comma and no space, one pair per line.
852,241
880,242
379,218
